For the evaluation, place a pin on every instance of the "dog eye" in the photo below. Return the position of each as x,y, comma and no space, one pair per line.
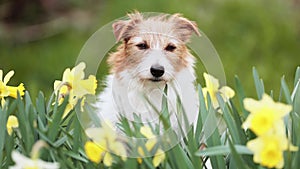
142,46
170,48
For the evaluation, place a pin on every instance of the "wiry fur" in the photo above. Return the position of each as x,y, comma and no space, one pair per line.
130,80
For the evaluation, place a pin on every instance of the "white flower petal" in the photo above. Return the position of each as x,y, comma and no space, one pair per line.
23,161
47,165
96,134
8,76
78,71
226,92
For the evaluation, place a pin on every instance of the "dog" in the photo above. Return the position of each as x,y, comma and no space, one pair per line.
152,55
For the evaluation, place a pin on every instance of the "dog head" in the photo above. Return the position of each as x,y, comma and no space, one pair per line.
154,48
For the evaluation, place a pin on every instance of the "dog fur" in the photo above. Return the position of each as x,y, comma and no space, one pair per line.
150,46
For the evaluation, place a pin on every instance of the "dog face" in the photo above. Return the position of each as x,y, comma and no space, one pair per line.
153,49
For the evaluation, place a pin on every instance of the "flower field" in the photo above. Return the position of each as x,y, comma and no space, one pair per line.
232,130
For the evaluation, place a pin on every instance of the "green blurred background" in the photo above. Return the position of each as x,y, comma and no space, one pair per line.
40,38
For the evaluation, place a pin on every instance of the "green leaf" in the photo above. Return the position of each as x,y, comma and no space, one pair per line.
199,122
229,121
179,158
131,163
241,96
3,120
57,113
296,155
236,157
77,134
193,147
258,84
223,150
286,91
297,76
238,121
41,110
24,125
296,99
76,156
214,138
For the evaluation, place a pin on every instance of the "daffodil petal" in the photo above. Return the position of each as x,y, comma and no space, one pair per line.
67,76
8,76
150,144
13,91
139,160
93,151
48,165
159,157
280,164
57,85
2,102
12,122
68,108
280,108
252,105
204,91
147,132
226,92
247,122
141,151
90,84
108,159
95,134
22,161
84,87
118,148
212,83
78,71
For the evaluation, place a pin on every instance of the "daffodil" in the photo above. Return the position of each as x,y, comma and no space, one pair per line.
23,162
264,114
12,122
93,151
268,149
213,87
150,143
107,141
158,158
6,90
74,85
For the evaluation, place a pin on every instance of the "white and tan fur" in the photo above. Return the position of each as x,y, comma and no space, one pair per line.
153,42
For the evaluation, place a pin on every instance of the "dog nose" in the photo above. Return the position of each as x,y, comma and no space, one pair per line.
157,70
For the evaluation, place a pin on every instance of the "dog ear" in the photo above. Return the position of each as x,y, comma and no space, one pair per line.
119,28
185,28
123,29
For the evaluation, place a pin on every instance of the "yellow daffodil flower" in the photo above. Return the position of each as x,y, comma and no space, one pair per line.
93,151
108,141
159,155
268,149
264,114
11,91
74,85
12,122
213,87
147,132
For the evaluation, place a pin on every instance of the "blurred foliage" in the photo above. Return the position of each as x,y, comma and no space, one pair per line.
246,33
